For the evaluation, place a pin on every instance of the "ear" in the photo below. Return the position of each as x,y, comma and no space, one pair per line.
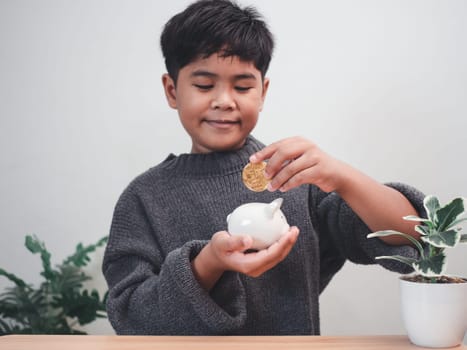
264,92
272,207
170,90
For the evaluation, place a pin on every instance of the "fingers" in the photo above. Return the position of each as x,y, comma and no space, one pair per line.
296,161
226,243
290,162
229,251
276,252
255,264
294,173
281,152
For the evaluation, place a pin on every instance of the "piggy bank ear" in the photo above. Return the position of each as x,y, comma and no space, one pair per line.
272,207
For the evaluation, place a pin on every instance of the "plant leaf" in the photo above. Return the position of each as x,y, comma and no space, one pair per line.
423,230
6,327
463,238
458,221
415,218
81,256
69,277
402,259
25,310
28,308
386,233
446,239
449,213
431,204
35,246
13,278
431,266
83,306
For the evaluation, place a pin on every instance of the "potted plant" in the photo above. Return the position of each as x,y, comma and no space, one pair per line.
433,305
60,304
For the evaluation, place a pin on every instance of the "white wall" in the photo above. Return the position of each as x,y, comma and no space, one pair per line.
380,84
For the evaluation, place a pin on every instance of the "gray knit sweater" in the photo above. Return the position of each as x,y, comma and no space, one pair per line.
165,217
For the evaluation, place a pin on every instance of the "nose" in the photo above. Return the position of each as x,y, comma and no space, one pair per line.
223,100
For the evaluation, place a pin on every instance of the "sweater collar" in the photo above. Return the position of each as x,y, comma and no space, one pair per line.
214,163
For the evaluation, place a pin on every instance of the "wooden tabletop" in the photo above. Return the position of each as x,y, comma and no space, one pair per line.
96,342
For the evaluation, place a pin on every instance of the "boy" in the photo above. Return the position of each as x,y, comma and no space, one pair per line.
170,265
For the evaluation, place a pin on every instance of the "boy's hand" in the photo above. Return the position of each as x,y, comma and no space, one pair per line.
296,161
227,253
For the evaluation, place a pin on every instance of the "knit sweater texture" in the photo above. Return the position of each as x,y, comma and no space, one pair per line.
168,214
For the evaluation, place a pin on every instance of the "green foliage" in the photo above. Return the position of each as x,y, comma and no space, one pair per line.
59,304
439,231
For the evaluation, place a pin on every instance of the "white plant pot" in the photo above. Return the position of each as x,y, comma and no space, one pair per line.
435,315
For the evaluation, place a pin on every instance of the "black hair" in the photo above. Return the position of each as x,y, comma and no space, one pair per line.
216,26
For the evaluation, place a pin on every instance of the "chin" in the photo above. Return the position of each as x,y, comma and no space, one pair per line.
222,144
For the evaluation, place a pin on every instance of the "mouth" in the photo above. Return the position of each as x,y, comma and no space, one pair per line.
222,123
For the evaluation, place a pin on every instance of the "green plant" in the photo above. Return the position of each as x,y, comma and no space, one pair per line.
59,304
439,231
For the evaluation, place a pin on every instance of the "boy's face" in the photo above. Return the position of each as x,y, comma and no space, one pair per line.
218,100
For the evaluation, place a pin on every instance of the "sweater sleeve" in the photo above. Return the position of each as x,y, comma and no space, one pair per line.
153,294
344,233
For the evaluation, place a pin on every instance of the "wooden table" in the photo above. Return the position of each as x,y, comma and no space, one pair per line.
95,342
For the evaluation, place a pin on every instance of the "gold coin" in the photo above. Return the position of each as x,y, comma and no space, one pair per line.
253,176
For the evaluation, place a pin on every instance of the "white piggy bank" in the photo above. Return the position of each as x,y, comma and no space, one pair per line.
264,222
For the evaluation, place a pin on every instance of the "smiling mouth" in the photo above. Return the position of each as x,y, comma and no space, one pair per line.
222,124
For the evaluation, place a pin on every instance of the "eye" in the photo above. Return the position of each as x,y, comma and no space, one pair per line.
242,88
203,87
